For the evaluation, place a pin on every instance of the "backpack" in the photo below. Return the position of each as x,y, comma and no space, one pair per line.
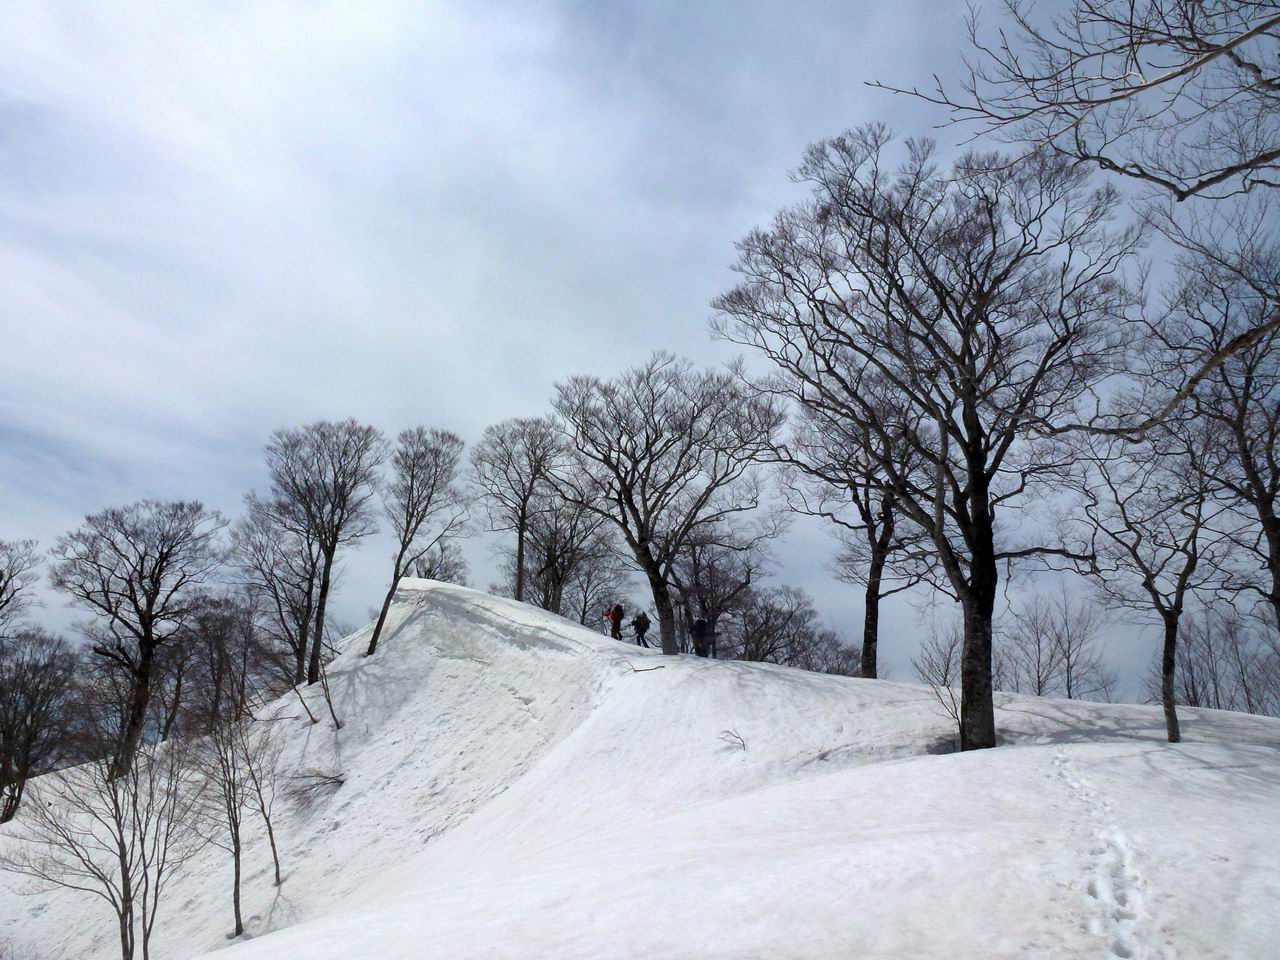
641,622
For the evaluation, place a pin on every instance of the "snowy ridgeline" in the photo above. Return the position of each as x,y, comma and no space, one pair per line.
513,785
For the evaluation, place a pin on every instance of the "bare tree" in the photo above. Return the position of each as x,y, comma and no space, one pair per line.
664,453
1225,662
1035,660
139,569
259,751
509,467
601,577
421,503
1180,97
958,315
780,625
279,560
937,666
323,480
831,477
561,538
36,674
222,763
118,836
1229,278
714,574
1147,517
443,562
18,563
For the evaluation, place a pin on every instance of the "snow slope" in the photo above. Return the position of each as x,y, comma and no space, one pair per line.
517,786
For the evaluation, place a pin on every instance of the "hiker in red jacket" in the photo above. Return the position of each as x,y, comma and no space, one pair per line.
614,616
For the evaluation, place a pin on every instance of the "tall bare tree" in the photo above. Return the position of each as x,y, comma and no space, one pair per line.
18,563
509,468
36,675
960,315
832,478
714,574
324,477
1149,518
421,503
138,569
1229,278
562,537
1180,97
665,453
278,562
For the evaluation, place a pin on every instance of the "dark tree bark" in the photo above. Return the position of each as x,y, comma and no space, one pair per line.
1168,669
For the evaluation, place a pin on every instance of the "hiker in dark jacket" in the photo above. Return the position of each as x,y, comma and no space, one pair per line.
701,637
614,616
640,624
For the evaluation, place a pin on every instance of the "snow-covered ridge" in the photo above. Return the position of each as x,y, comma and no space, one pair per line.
516,786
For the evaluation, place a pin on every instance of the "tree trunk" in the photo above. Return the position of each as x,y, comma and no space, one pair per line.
977,708
300,654
521,522
172,717
1168,662
317,640
871,616
139,700
235,883
124,912
397,574
126,937
666,613
1271,533
275,853
12,796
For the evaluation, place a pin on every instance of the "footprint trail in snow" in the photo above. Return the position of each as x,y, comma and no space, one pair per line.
1116,907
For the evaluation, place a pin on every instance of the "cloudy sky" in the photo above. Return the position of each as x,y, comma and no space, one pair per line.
219,219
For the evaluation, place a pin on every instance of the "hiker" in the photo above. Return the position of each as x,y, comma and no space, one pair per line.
640,624
614,616
701,637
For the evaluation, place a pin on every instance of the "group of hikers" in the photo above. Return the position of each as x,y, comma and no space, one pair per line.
699,630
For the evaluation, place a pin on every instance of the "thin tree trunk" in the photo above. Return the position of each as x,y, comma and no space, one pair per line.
124,912
275,853
172,716
317,640
397,574
235,883
1168,663
521,522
